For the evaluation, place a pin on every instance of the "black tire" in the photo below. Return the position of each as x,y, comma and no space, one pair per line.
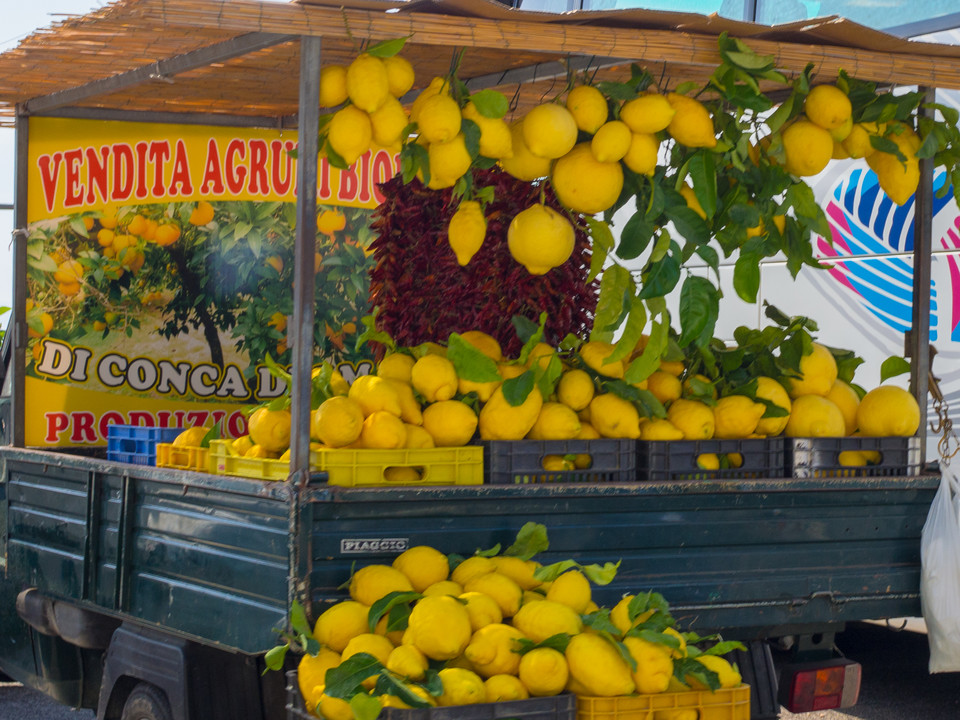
146,702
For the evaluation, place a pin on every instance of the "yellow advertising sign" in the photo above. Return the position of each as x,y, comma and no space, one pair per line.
160,272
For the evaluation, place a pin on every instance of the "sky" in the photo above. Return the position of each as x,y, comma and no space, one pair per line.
19,20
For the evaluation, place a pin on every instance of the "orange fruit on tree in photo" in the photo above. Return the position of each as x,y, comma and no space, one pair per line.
330,221
150,232
68,289
276,262
105,237
68,272
46,321
202,214
88,223
108,222
137,225
279,321
317,261
166,234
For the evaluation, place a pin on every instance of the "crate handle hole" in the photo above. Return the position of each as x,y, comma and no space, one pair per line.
568,462
404,474
859,458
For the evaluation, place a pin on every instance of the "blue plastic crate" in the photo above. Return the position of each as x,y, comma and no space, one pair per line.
137,445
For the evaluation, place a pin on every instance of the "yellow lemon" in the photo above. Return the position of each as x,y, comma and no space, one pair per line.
499,420
808,148
815,416
467,230
595,353
540,239
546,618
372,582
544,672
444,587
496,140
571,589
898,179
191,437
611,142
434,377
409,407
388,121
549,130
333,85
332,708
349,133
448,161
660,429
888,411
487,344
439,118
471,568
367,83
408,662
377,645
556,421
770,389
736,416
396,366
418,438
614,417
818,371
597,667
728,676
383,430
641,156
439,626
650,113
845,398
519,570
461,687
575,389
337,422
827,106
692,202
451,423
664,386
523,164
423,566
857,143
437,86
588,107
242,444
492,650
691,124
373,393
338,624
400,75
270,429
502,589
693,418
654,665
505,688
482,609
584,184
312,673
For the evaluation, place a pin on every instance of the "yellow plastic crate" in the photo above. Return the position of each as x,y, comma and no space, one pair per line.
353,468
435,466
724,704
183,458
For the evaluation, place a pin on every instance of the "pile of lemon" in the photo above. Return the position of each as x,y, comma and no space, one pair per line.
493,632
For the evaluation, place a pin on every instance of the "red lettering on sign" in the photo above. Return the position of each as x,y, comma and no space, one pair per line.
212,172
349,182
73,197
159,154
83,430
97,174
49,176
136,416
57,422
122,172
107,419
142,148
381,172
258,168
237,424
235,174
181,172
197,418
280,158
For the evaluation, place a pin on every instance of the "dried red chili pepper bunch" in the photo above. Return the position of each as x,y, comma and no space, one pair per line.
423,293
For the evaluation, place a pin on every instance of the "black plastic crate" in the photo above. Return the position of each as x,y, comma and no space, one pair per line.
521,462
136,444
559,707
677,459
821,457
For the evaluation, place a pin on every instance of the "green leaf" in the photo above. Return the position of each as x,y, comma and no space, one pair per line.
617,91
346,680
516,390
298,618
601,574
632,331
690,225
549,376
385,604
469,362
548,573
710,257
490,103
929,147
688,667
600,621
644,366
661,278
556,642
531,539
782,113
703,172
390,684
884,144
893,366
746,276
724,647
387,48
275,657
533,339
603,243
615,283
365,707
699,308
635,236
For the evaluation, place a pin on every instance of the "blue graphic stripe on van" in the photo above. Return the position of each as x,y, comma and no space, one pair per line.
860,241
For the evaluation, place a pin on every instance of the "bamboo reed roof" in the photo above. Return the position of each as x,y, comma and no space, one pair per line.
180,56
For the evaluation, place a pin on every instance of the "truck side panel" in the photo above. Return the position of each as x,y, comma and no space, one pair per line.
747,557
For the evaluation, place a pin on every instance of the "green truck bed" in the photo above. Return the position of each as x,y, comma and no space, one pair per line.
219,559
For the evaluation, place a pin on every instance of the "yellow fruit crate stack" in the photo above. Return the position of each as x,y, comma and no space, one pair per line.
364,467
183,458
722,704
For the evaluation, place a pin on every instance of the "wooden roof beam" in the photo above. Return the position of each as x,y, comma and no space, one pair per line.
160,70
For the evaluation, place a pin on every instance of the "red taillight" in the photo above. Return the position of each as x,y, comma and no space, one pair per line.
820,686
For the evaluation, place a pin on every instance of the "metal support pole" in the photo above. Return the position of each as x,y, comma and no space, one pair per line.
301,332
919,336
18,358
